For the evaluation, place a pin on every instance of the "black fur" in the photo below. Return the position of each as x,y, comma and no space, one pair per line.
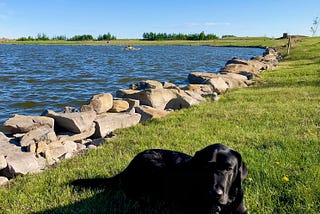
209,182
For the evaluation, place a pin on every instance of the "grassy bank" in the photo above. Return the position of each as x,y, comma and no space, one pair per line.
275,125
234,41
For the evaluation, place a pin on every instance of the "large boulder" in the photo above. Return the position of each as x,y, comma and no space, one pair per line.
106,123
23,124
76,122
184,99
119,105
41,134
218,84
201,89
20,163
55,153
148,113
100,103
215,80
70,136
146,84
6,146
156,98
248,68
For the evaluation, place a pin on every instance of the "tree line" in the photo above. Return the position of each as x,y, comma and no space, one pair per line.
84,37
164,36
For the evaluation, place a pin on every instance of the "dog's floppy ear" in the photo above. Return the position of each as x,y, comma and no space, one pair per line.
208,154
243,171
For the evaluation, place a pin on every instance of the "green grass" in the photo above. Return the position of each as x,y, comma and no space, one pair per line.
234,41
275,125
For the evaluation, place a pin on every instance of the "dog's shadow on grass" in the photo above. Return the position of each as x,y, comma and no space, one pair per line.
113,202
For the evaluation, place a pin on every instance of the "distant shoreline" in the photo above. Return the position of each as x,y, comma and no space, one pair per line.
255,42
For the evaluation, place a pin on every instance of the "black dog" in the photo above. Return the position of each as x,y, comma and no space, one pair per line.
209,182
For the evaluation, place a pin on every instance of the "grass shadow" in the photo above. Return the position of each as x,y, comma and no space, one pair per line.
113,201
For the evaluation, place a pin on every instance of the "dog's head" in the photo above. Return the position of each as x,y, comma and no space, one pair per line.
223,170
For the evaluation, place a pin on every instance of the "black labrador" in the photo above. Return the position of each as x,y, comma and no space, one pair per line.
209,182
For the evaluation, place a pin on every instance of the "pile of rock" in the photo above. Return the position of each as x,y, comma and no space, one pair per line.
31,143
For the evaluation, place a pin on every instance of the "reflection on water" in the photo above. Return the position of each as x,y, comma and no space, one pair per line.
38,77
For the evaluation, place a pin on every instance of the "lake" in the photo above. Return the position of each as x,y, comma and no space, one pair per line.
34,78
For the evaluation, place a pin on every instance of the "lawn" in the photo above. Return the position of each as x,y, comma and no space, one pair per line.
274,124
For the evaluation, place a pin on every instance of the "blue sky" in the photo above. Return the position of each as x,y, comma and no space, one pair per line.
131,18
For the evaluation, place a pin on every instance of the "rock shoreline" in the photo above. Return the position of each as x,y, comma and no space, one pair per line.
30,144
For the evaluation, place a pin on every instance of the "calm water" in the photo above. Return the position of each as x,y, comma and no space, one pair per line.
38,77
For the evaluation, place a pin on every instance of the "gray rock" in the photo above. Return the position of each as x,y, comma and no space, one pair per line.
201,89
3,162
3,180
146,84
6,146
23,124
41,134
70,146
156,98
20,163
106,123
148,113
218,84
54,154
70,136
76,122
183,100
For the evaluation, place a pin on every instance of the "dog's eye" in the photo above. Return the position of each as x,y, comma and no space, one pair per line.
229,169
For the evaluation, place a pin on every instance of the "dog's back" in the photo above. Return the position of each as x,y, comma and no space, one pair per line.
149,173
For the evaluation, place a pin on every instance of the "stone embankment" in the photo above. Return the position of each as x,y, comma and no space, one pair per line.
30,144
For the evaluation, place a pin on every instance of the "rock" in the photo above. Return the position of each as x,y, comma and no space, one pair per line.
169,85
201,89
148,113
70,146
132,103
91,147
3,162
23,124
6,146
70,109
3,180
41,134
39,148
106,123
70,136
81,147
20,163
249,68
218,84
156,98
232,80
54,154
100,103
146,84
195,95
76,122
119,106
183,100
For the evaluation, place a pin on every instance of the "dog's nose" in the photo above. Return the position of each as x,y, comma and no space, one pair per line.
218,192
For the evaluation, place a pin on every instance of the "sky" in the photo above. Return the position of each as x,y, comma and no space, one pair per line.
131,18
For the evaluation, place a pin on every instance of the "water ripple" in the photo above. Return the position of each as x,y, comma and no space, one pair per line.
36,77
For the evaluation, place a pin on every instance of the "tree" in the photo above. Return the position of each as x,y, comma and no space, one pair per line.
314,26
